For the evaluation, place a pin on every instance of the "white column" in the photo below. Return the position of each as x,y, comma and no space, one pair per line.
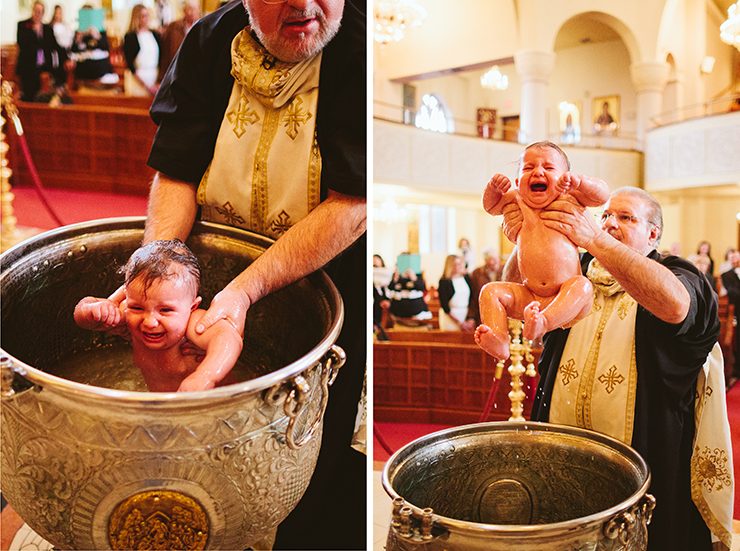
649,78
534,69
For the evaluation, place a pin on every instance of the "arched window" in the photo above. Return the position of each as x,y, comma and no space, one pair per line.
434,114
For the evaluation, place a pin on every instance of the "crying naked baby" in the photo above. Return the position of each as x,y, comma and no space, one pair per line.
553,292
158,303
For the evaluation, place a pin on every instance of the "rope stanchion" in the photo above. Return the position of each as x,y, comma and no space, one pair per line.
13,115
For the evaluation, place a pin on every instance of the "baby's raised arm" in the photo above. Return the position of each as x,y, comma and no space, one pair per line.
589,191
98,314
223,345
498,194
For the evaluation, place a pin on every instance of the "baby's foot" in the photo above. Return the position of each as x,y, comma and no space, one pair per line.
494,344
535,323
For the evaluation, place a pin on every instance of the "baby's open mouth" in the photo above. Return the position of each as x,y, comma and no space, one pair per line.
538,187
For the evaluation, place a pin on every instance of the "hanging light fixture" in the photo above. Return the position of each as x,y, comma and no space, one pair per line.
729,31
494,80
393,18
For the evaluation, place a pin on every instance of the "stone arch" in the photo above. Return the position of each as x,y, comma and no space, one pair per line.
608,21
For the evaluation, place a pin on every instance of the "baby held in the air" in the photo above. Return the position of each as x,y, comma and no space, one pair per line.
553,292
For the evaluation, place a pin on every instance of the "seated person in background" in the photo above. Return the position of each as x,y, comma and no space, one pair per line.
407,296
490,271
382,276
91,54
705,248
159,308
553,293
704,263
454,296
52,93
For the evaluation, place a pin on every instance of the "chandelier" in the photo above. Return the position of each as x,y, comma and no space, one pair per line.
729,31
494,80
393,18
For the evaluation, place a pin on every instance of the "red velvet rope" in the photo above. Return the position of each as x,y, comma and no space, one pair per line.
490,401
35,175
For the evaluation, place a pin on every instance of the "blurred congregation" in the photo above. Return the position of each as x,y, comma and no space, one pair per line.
60,51
626,101
82,75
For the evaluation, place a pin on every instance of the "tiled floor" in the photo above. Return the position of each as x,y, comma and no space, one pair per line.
381,510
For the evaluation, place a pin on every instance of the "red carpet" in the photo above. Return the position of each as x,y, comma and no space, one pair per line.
397,435
72,206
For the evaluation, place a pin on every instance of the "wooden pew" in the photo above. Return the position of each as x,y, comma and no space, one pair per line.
104,99
423,335
436,380
86,147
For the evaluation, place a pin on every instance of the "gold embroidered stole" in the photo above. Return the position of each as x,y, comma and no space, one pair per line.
712,476
266,170
596,381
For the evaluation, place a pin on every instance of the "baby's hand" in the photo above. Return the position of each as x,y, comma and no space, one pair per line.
567,183
97,314
495,190
500,183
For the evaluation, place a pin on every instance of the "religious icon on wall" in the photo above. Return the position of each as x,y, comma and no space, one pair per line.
606,116
570,121
486,122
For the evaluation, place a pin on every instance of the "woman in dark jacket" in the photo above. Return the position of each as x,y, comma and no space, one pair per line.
454,296
141,48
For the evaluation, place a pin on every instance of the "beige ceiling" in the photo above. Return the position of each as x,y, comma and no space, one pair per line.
585,30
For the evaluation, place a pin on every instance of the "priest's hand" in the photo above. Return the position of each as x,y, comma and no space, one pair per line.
573,220
231,304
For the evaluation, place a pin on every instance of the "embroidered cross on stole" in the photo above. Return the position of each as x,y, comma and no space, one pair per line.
266,170
597,378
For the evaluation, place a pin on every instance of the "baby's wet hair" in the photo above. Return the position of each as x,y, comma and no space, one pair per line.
543,145
154,260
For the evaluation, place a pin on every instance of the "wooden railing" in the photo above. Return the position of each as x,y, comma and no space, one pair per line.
440,377
98,144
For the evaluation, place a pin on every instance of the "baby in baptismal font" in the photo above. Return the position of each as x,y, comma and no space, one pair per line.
553,292
158,304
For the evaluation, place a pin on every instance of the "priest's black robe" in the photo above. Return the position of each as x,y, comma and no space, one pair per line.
669,358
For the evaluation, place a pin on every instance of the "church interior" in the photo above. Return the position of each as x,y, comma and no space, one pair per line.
640,94
449,113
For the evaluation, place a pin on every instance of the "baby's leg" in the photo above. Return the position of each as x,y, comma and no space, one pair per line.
498,301
571,304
